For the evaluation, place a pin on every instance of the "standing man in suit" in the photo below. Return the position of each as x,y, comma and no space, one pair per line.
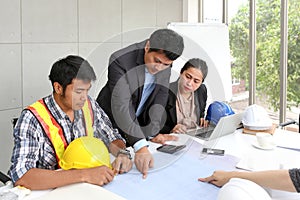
136,92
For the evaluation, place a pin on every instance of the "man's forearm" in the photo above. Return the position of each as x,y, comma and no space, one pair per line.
41,179
115,146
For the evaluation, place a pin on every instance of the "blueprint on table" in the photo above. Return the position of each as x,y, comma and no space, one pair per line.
178,180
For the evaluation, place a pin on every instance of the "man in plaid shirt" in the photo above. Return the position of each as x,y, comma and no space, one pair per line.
34,161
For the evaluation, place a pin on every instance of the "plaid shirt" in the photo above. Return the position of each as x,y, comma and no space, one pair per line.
32,147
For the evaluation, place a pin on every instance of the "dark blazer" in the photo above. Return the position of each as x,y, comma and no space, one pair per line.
200,96
121,95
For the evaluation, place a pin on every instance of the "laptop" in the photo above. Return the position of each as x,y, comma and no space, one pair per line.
225,126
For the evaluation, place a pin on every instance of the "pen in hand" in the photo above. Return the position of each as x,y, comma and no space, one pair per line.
118,171
120,168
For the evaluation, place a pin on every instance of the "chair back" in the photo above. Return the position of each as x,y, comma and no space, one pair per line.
14,121
4,178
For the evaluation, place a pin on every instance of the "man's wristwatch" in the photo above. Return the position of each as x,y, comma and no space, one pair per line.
124,152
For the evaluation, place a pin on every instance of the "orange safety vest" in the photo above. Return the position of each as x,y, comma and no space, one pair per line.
53,129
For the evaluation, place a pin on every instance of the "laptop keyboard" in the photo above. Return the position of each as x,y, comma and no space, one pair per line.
205,132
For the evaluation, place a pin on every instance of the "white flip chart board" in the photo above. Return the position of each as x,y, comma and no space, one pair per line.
209,42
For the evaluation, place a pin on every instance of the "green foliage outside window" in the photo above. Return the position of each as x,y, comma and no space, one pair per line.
267,49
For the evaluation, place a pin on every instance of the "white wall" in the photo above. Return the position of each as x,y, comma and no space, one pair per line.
35,33
190,11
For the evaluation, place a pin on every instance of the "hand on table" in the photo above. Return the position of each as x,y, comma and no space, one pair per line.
98,175
218,178
122,164
163,138
179,128
143,161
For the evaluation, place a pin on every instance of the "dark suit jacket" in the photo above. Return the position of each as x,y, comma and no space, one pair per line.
200,96
121,95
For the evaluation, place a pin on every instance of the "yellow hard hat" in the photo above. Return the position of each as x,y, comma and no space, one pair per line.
85,152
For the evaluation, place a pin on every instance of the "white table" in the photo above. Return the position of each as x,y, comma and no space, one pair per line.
254,159
175,176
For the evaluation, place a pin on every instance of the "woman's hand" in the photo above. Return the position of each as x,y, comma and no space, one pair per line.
218,178
203,122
